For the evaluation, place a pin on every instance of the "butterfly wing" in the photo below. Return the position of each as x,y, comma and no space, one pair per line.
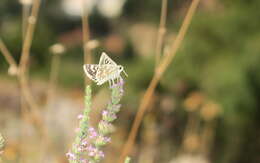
106,60
91,71
106,70
105,73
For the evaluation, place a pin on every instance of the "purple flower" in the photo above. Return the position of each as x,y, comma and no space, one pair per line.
107,139
95,152
84,142
89,141
82,160
71,156
105,112
101,154
80,116
92,133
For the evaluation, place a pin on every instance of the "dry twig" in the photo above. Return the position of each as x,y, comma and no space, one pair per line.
86,33
166,60
7,55
35,116
24,61
25,15
161,32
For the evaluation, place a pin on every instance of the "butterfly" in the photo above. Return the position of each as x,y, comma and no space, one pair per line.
105,70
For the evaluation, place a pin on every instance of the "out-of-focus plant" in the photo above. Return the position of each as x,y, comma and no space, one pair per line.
2,143
87,147
163,64
56,50
127,160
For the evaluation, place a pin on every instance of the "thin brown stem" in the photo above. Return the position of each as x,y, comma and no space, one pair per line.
183,30
161,32
191,129
55,63
25,15
86,36
208,134
24,61
7,55
35,116
25,117
29,36
166,60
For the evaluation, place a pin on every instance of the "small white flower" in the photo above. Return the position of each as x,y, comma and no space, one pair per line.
111,8
74,7
25,2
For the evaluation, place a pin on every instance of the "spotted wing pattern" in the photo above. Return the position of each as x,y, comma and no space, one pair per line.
106,72
106,60
91,71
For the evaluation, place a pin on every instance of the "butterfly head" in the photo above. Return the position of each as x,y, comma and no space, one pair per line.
121,69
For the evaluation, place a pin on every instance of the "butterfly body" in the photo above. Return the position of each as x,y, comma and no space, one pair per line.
106,70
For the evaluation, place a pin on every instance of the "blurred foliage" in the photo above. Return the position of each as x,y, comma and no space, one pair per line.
221,58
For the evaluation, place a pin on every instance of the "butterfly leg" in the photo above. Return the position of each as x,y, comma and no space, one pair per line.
113,82
109,81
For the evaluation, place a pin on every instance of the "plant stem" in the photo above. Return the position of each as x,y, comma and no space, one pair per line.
25,15
2,144
85,36
34,113
83,127
161,33
7,55
166,60
55,63
24,61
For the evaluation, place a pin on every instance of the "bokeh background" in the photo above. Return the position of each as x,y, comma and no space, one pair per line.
205,109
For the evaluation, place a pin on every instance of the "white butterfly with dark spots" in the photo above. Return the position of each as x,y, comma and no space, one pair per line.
105,70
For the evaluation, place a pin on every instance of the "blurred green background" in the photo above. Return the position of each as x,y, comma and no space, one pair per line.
212,87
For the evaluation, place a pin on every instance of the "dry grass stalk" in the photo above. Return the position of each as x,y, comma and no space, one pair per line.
209,112
161,32
191,132
56,50
25,15
34,114
207,136
24,61
165,61
7,55
23,65
86,37
55,63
